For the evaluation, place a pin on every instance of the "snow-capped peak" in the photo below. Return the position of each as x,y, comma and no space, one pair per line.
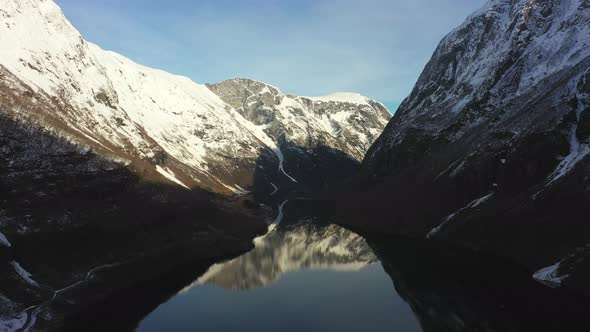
343,97
347,122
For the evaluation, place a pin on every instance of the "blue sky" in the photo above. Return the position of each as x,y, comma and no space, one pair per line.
304,47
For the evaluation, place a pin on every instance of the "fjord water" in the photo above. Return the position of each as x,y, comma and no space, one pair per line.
309,274
302,277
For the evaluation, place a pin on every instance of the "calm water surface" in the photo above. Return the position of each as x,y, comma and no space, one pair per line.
298,278
303,276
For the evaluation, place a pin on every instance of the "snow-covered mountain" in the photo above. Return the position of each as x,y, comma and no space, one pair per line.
346,122
165,127
290,249
495,136
163,123
320,140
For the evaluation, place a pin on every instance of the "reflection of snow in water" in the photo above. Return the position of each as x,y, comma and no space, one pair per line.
279,218
304,246
272,226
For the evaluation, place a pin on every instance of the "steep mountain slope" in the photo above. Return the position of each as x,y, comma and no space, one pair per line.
494,137
159,122
321,139
165,127
69,217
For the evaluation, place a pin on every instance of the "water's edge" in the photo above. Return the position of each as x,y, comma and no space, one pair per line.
123,309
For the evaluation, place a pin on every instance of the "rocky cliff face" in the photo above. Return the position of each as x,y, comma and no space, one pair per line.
494,137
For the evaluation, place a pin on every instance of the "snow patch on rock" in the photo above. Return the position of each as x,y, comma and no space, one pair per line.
168,174
24,274
578,150
550,275
473,204
4,240
343,97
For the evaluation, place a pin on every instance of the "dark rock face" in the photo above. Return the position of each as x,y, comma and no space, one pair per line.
453,289
490,150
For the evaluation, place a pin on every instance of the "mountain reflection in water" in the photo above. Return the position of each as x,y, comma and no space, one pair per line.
301,277
288,249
